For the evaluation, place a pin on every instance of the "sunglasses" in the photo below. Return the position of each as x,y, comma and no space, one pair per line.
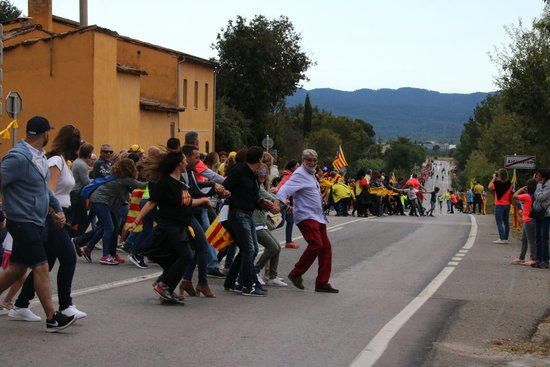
107,151
263,172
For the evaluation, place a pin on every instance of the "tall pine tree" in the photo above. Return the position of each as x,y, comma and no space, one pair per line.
308,116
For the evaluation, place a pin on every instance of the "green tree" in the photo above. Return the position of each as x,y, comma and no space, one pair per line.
478,167
8,11
308,116
261,62
402,155
524,81
326,143
232,132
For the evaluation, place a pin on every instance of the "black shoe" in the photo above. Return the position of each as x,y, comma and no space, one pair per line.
217,274
253,292
59,322
297,281
326,288
142,263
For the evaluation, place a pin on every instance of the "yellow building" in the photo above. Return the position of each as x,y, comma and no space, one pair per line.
116,89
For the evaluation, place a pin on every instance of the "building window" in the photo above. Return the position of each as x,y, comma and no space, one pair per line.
205,96
207,145
196,101
184,92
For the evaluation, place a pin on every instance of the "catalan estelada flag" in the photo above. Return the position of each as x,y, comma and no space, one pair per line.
340,161
134,208
217,235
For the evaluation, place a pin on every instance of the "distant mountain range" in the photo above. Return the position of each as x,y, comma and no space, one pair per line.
418,114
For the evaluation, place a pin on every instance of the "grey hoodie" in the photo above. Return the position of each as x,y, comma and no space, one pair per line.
542,195
27,197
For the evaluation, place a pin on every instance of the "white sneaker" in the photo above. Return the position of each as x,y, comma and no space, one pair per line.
260,278
498,241
73,311
277,282
504,241
23,314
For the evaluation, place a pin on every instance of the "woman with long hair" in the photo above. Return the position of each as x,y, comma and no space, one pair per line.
107,200
502,187
58,245
169,243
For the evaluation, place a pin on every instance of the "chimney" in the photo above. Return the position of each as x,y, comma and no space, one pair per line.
41,13
83,13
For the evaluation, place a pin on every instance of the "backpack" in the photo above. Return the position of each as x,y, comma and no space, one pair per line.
88,190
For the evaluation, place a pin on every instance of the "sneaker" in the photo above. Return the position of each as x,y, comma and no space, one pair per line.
119,259
499,241
164,294
291,245
505,241
6,305
73,311
216,274
59,322
254,292
77,248
108,260
297,281
86,254
276,282
260,279
136,261
142,263
23,314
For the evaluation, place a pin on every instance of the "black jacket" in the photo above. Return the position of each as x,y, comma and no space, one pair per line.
243,184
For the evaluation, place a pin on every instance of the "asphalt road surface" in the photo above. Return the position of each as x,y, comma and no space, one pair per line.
389,270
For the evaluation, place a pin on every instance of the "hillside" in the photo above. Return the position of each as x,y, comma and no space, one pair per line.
419,114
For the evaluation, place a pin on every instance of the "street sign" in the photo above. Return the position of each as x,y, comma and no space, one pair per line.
14,104
520,161
267,143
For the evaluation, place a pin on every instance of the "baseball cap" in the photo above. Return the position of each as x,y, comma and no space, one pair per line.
38,125
135,148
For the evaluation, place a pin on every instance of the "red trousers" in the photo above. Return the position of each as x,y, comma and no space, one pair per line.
318,246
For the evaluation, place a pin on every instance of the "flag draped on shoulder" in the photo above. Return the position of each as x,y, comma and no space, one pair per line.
340,161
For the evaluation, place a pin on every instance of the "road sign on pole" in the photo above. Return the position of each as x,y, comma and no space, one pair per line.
267,143
520,161
14,105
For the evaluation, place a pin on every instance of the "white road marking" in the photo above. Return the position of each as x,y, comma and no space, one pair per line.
460,255
463,251
456,258
377,346
106,286
334,229
452,263
142,278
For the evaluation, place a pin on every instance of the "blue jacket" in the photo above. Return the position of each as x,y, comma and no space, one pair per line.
27,197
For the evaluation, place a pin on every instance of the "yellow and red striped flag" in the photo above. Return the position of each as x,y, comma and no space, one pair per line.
340,161
217,235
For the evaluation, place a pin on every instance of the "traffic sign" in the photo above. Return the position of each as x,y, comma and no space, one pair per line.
267,143
14,104
520,161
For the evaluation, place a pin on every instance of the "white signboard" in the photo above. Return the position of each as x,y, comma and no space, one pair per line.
520,161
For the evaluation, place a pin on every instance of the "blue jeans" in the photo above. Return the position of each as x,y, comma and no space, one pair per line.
502,217
201,256
243,227
289,218
543,228
136,240
107,230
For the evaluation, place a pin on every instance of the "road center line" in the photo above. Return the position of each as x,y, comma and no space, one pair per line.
378,345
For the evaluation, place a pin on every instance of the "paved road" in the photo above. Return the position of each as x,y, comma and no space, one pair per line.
399,289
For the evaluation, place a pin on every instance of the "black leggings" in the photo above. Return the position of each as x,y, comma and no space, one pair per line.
58,247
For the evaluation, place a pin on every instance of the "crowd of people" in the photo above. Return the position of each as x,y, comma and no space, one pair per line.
156,205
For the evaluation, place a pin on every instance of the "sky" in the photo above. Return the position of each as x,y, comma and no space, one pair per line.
440,45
